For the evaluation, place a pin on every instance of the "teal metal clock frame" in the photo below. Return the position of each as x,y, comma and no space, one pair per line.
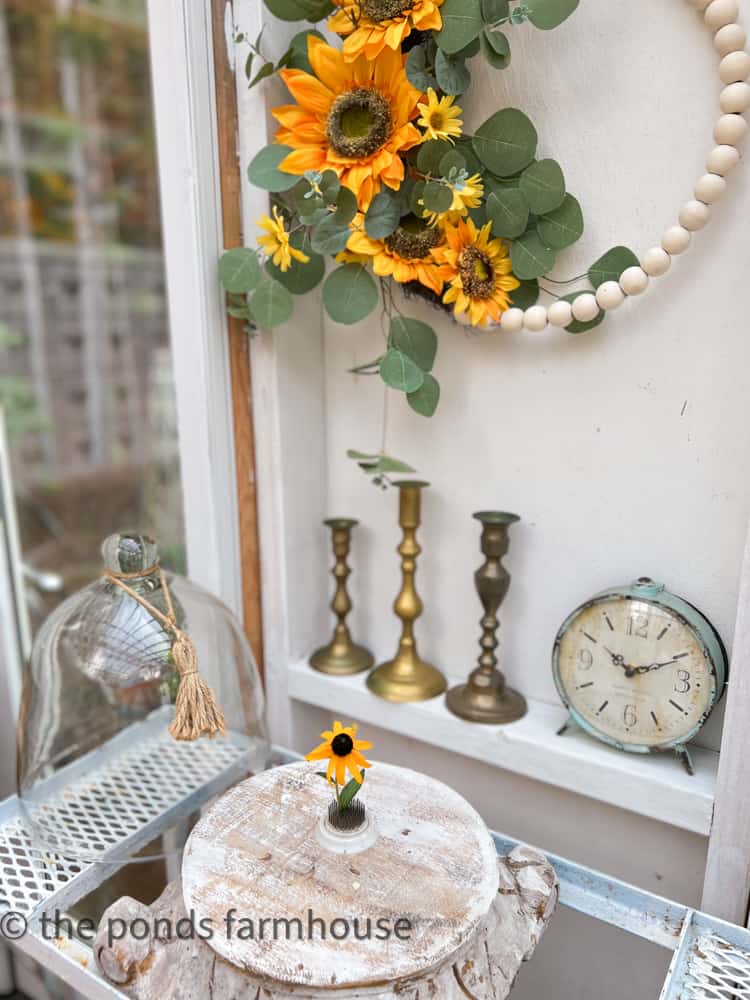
713,649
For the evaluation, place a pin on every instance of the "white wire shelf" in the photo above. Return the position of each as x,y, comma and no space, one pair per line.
711,959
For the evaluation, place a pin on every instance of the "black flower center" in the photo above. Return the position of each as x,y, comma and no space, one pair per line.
385,10
342,745
477,273
359,123
413,239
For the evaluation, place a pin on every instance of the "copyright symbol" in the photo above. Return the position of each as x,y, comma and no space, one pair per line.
13,926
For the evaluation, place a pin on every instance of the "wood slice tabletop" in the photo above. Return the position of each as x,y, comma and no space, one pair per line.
255,856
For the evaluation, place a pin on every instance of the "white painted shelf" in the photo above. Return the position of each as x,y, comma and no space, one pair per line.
656,785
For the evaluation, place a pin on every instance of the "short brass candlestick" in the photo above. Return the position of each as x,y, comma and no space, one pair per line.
341,656
485,698
407,677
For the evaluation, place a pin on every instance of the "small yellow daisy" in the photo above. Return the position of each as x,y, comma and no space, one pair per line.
276,243
467,193
441,118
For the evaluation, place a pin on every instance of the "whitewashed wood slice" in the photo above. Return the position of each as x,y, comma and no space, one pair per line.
433,863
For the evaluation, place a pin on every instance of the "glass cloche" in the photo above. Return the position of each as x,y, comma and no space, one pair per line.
100,776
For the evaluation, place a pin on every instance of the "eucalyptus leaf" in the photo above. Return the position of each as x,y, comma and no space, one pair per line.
506,142
578,326
610,265
297,57
398,371
425,399
349,294
346,206
418,69
330,186
495,10
451,161
509,212
471,50
271,304
437,197
548,14
452,75
462,22
495,48
267,69
383,215
415,339
264,171
431,154
530,257
300,278
330,236
417,195
527,294
543,186
300,10
378,462
561,228
239,270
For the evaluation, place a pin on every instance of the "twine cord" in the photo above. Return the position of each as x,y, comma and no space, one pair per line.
196,710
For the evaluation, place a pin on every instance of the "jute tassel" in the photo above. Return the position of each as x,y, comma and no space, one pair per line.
196,711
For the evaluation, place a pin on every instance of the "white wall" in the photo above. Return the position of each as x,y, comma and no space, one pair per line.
625,450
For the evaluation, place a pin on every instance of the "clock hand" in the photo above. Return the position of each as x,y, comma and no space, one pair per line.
655,666
619,661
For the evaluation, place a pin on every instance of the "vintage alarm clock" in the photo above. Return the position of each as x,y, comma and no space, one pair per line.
640,668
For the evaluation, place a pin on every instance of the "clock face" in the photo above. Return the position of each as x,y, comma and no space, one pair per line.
635,671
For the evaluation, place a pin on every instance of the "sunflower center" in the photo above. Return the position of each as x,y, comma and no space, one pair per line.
477,273
342,745
413,239
359,123
436,121
385,10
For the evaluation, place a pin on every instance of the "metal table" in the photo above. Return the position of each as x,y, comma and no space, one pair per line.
711,958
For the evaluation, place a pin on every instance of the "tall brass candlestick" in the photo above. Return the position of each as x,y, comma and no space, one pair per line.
341,656
407,677
486,698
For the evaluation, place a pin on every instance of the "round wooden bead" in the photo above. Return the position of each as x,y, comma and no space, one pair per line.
676,240
656,262
560,313
734,66
699,4
609,295
730,130
535,318
722,159
720,13
694,215
585,307
735,98
730,38
512,320
634,281
710,188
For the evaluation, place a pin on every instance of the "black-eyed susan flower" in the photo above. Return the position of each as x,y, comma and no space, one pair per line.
276,242
353,118
481,276
370,26
343,751
441,118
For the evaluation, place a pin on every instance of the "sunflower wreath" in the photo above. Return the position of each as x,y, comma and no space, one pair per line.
371,165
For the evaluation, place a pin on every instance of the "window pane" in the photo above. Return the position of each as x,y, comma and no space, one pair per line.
85,366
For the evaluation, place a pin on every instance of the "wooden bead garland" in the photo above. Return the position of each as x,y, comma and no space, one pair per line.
730,129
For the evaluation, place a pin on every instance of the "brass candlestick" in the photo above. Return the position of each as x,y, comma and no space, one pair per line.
341,656
485,698
407,677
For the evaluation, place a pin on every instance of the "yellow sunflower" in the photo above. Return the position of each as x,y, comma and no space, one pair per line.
342,750
370,26
276,243
467,193
408,254
480,272
353,118
441,118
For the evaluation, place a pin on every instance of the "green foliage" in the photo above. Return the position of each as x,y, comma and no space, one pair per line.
239,270
300,10
383,215
452,75
548,14
270,304
462,23
579,327
506,142
495,48
509,212
349,791
561,228
610,265
379,466
349,294
437,197
543,186
398,371
264,171
419,70
495,10
415,339
300,278
425,399
296,55
530,257
527,294
430,156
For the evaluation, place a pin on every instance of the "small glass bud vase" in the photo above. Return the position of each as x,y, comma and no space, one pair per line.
99,774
